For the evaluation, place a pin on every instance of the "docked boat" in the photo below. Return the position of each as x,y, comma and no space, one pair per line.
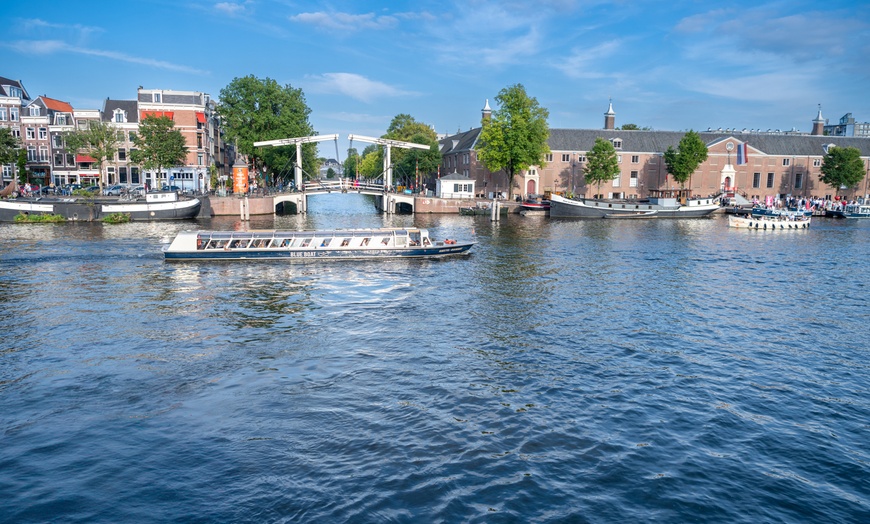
536,203
769,222
850,211
761,211
667,203
337,244
164,205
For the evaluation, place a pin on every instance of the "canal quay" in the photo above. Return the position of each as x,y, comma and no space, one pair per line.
565,371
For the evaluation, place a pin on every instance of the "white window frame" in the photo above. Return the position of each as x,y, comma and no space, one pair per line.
632,181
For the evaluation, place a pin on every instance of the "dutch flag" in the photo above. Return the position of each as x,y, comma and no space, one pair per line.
742,153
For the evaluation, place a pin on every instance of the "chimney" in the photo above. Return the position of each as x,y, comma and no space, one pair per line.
610,117
818,124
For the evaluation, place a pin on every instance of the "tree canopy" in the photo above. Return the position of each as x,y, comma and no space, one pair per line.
9,145
515,136
410,162
602,164
158,144
691,152
842,167
98,140
254,110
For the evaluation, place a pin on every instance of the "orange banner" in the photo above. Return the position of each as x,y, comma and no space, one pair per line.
240,179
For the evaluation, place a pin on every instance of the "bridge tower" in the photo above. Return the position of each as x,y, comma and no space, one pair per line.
297,166
388,165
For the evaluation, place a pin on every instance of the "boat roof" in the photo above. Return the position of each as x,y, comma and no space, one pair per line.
269,233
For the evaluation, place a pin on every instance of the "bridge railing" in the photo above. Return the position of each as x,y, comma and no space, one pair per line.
342,184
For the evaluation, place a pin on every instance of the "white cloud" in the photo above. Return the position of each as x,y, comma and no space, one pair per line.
335,21
230,8
45,47
352,85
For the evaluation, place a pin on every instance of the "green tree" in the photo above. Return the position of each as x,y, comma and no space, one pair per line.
691,152
602,164
633,127
9,146
159,145
842,167
372,164
349,167
255,110
21,163
98,140
515,137
413,161
213,176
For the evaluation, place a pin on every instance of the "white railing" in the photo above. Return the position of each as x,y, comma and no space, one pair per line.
341,184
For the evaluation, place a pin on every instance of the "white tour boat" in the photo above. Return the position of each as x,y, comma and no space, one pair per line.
335,244
770,222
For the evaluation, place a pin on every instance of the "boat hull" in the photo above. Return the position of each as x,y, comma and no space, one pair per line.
565,208
768,224
79,209
323,254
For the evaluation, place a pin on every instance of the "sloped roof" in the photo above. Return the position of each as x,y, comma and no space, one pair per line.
646,141
130,106
56,105
455,176
15,83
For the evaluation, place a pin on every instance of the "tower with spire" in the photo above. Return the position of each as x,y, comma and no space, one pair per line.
610,117
486,112
818,124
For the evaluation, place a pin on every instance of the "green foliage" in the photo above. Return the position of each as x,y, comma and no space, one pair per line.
9,145
350,163
213,176
117,218
602,164
371,165
515,137
255,110
411,161
842,167
683,161
330,173
633,127
21,163
38,219
99,140
158,144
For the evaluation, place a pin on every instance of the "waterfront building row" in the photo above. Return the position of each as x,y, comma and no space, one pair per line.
775,164
40,123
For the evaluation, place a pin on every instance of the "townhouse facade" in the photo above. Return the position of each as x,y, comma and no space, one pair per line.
40,125
775,164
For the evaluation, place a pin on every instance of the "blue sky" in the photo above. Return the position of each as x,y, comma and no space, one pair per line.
675,65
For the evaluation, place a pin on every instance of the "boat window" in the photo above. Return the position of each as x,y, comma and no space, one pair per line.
365,241
345,242
385,241
306,242
326,242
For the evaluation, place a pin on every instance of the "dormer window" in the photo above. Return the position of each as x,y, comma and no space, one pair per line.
155,97
617,143
34,110
828,148
60,119
120,116
15,92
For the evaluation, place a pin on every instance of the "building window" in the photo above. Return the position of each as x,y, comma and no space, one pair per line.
199,140
155,97
58,141
15,92
13,114
756,179
798,180
34,110
817,162
119,117
31,133
618,159
43,154
122,154
633,180
786,161
132,136
635,159
134,175
199,159
16,131
2,113
566,157
122,175
43,133
581,158
31,153
70,159
7,170
58,159
60,120
617,143
770,180
616,181
548,157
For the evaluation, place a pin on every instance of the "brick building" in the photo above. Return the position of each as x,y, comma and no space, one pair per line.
776,163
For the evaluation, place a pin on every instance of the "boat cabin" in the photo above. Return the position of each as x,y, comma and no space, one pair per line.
311,240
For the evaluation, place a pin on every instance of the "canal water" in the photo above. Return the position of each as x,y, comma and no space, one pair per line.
566,371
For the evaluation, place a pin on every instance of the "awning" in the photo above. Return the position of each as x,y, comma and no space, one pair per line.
200,117
144,114
84,159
